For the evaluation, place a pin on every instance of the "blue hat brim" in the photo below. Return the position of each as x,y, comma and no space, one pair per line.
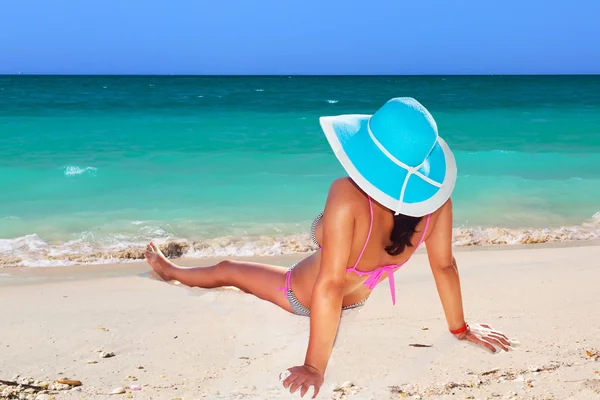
383,179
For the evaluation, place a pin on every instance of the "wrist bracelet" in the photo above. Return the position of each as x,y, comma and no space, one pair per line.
459,330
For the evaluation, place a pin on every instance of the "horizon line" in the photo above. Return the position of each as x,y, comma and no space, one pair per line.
298,75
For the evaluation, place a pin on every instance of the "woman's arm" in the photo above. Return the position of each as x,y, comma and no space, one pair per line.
328,292
445,273
443,266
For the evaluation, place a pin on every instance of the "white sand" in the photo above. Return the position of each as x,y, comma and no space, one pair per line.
225,344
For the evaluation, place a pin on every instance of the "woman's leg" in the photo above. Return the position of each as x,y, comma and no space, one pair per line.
261,280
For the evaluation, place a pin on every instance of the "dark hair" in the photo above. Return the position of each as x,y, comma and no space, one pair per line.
404,228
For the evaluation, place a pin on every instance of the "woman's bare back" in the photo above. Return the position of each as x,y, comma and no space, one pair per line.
374,255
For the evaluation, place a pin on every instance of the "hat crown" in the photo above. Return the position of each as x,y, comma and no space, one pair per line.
405,129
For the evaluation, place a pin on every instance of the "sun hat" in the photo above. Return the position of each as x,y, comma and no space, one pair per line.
395,155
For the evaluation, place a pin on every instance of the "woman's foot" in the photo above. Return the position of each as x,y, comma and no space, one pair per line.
157,260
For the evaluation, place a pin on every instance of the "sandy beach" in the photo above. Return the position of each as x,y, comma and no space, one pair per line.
170,342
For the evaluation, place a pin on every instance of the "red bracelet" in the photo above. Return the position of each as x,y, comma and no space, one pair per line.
460,330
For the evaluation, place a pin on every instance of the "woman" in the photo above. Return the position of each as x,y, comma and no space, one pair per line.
397,196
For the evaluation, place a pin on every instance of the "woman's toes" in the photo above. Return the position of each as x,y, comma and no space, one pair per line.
149,253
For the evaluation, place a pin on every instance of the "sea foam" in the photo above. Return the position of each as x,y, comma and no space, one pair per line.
73,170
33,251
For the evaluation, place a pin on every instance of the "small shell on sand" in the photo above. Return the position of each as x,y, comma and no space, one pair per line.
119,390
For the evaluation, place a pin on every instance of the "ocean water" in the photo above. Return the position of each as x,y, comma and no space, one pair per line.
93,167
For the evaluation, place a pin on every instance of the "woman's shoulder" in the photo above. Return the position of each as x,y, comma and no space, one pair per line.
444,212
343,192
345,200
446,208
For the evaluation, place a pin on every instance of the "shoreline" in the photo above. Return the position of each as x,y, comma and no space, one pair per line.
118,268
33,251
24,276
179,250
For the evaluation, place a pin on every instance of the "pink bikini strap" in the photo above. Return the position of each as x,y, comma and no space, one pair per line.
288,278
424,230
368,235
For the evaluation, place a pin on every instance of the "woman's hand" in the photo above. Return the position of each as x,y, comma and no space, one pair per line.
303,378
485,336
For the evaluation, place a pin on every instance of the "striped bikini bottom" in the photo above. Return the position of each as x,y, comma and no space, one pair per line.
299,308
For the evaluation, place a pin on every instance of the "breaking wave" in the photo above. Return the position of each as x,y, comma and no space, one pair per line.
33,251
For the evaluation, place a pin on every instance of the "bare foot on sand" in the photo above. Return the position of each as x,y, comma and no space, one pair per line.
157,260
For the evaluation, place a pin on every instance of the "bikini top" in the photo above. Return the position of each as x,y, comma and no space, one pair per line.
375,275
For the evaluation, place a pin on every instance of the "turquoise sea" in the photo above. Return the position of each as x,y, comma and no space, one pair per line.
93,167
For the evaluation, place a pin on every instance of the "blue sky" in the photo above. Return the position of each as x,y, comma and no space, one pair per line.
300,37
